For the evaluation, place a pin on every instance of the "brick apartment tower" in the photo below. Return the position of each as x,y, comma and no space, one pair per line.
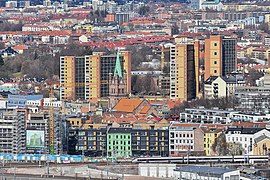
220,56
87,77
117,84
182,72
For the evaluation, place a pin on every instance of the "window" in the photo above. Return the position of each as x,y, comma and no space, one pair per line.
215,44
215,62
215,53
215,71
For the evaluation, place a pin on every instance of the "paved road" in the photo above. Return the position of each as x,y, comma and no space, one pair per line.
32,177
38,177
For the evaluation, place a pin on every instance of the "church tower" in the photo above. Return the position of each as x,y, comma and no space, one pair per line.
117,83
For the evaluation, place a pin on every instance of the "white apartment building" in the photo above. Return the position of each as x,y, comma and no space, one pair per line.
219,116
245,136
218,87
203,115
185,138
214,87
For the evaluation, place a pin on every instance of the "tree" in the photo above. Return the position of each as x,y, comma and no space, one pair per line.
234,149
175,30
253,75
144,10
1,61
138,54
220,146
143,84
2,45
264,27
5,26
221,103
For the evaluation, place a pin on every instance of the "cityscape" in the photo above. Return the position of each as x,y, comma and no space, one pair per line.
145,90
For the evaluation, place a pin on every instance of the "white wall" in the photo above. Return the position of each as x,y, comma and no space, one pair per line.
157,170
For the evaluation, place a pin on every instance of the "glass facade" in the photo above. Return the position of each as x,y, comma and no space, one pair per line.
80,78
228,56
106,68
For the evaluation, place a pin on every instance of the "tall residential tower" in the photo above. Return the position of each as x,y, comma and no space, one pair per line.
182,72
87,77
220,56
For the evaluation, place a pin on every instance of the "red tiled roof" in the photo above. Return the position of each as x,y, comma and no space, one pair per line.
127,105
145,109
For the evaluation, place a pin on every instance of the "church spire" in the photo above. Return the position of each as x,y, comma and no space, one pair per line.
118,69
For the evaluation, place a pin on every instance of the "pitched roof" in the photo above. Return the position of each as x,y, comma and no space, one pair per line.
261,138
243,130
118,70
249,124
119,130
145,109
210,79
205,170
127,105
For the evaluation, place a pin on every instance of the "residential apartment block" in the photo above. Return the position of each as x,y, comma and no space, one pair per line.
182,72
220,56
224,86
119,143
252,99
87,77
219,116
150,140
185,140
12,132
246,137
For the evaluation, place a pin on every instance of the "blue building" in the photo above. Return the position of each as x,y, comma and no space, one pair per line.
19,101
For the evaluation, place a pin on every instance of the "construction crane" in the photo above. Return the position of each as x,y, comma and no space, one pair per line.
51,121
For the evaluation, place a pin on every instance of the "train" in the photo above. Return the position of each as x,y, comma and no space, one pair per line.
205,159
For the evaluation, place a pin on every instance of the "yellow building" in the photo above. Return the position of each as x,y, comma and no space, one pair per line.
209,139
87,77
261,145
182,72
75,122
267,19
84,27
213,48
197,64
220,56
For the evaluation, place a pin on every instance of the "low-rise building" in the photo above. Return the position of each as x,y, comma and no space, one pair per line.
252,100
204,172
91,141
119,143
203,115
150,140
210,134
185,139
245,137
219,87
262,145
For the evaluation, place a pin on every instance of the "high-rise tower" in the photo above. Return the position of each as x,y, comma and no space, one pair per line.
182,72
87,77
220,56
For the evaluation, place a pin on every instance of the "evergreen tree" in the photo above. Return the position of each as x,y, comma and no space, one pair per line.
1,61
